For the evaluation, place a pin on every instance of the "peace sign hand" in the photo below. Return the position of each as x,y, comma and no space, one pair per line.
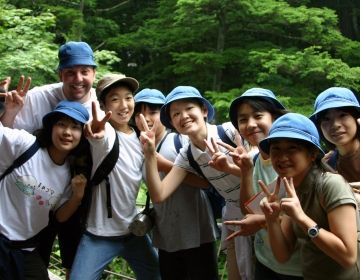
147,137
270,204
291,204
96,128
218,160
15,99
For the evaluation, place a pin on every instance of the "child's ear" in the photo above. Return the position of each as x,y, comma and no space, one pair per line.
205,110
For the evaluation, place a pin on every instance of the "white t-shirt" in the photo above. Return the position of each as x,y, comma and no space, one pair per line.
124,180
41,100
30,191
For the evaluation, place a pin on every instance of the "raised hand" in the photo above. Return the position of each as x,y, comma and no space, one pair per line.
15,99
96,127
218,160
240,155
78,184
270,204
147,137
291,204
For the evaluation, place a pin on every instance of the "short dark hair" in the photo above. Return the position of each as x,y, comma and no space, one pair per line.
350,110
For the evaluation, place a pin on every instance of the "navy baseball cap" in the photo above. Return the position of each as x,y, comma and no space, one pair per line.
260,93
75,53
72,109
334,98
292,126
148,95
180,93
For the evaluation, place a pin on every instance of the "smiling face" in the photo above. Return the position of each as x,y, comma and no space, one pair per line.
120,101
188,117
291,158
339,127
253,125
66,134
77,82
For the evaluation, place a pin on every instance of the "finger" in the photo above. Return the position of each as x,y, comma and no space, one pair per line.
144,123
238,139
226,146
27,86
20,83
155,125
234,234
264,188
106,118
358,121
277,186
94,111
209,146
289,187
233,223
213,142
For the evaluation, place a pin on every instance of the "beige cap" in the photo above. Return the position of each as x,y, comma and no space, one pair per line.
111,79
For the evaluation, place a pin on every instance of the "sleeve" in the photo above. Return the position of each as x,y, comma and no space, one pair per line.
13,143
335,192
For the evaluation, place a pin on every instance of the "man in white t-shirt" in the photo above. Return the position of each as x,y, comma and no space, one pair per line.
77,71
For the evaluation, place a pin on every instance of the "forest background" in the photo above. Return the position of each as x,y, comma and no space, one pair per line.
297,48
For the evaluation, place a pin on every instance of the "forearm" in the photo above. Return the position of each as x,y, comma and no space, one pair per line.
8,119
246,190
279,245
153,180
341,250
68,209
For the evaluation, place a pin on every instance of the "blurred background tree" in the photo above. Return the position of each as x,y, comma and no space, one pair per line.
297,48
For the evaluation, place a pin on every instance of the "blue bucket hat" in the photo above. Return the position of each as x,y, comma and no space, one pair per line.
292,126
259,93
75,53
152,96
179,93
72,109
333,98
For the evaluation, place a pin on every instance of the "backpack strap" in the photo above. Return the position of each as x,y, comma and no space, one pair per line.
104,169
24,157
223,136
177,142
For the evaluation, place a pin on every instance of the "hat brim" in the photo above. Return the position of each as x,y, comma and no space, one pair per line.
67,112
236,102
76,62
332,105
165,118
288,134
130,82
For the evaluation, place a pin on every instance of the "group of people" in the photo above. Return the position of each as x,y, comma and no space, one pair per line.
286,202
